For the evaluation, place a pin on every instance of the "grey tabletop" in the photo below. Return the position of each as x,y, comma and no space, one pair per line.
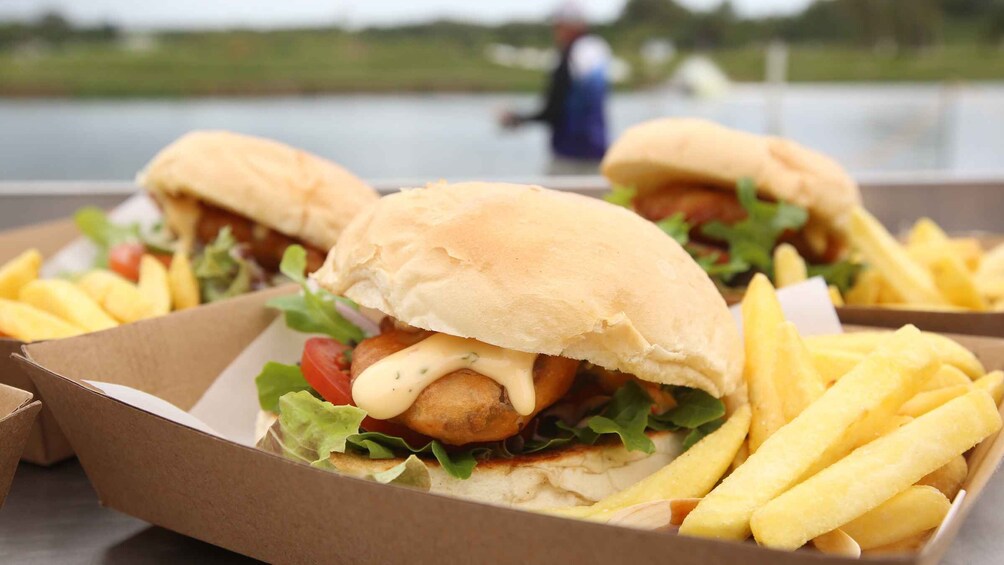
52,516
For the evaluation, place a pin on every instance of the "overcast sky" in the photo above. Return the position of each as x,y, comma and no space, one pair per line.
292,13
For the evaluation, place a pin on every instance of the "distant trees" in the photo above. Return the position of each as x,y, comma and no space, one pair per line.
52,29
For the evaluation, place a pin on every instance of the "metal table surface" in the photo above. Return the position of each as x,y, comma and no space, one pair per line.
52,516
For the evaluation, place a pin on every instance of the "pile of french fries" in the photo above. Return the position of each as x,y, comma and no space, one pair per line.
931,271
33,309
850,443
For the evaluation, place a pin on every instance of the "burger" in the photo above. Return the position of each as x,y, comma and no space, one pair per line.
535,348
732,196
232,204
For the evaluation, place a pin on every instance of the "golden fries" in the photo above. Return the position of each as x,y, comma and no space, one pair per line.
883,253
820,434
789,267
18,272
948,478
931,273
65,300
946,376
762,319
993,383
119,297
911,512
797,381
27,323
835,297
838,495
924,402
691,475
946,349
154,286
838,543
184,286
831,364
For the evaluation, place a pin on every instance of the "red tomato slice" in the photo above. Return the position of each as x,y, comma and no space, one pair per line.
326,368
124,259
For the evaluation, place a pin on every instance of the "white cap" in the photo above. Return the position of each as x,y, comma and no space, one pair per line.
568,12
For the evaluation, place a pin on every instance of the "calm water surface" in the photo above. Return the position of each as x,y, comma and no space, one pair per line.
868,128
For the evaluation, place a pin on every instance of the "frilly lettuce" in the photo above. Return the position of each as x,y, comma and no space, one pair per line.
313,310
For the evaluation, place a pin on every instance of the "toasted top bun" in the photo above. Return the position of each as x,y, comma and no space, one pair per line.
568,476
536,270
285,189
659,152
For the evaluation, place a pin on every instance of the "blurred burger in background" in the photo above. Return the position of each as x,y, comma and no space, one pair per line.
731,197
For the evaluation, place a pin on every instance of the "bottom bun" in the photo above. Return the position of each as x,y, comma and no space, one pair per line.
569,476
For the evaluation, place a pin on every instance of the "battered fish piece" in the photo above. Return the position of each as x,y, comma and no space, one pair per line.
465,406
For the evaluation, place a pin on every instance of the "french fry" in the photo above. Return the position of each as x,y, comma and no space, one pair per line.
948,478
925,231
883,253
992,288
18,272
993,383
969,250
908,545
691,475
789,267
184,285
946,349
834,363
838,494
65,300
835,296
116,295
913,511
837,542
924,402
946,376
741,456
866,289
153,283
654,515
819,435
956,283
762,316
992,264
796,378
27,323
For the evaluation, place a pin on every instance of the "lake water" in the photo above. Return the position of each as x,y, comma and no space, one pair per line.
868,128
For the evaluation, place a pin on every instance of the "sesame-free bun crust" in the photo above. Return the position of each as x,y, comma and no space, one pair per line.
530,269
288,190
688,150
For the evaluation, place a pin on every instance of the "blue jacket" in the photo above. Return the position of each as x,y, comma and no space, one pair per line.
576,97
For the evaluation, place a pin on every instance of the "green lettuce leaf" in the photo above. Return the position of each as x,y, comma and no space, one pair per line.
411,473
621,196
627,416
95,225
676,227
751,241
841,274
220,272
312,311
697,434
459,464
313,429
694,408
275,380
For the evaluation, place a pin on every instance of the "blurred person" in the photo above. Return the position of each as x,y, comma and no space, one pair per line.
575,101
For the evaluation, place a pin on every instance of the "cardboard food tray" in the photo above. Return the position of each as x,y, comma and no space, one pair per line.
17,413
46,443
267,507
